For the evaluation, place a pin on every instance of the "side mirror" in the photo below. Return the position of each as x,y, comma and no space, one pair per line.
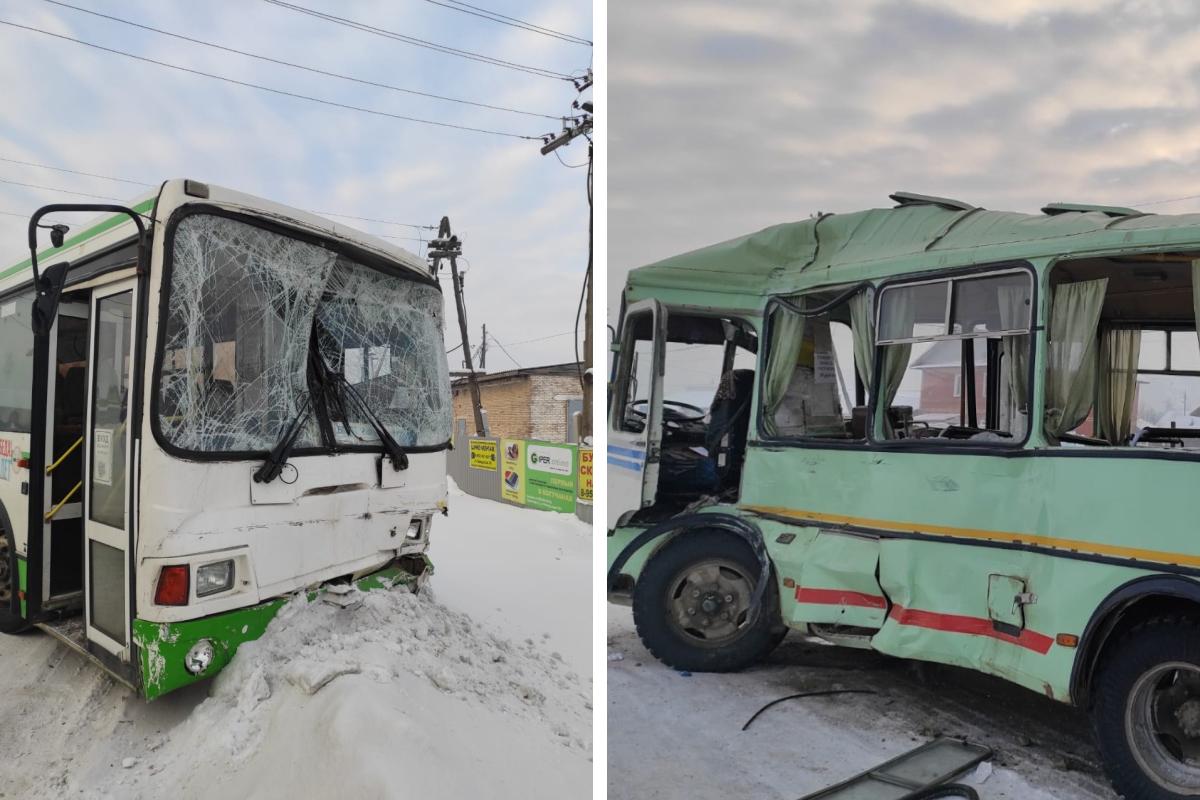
48,290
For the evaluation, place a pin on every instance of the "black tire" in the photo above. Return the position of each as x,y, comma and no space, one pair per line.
658,590
9,622
1148,656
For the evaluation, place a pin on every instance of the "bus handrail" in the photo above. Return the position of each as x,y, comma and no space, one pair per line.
63,457
50,514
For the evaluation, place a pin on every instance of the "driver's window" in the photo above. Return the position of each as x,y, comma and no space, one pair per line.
632,392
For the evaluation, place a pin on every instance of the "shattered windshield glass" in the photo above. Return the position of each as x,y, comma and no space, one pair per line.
241,308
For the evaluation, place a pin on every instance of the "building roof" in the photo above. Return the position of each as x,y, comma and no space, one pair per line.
568,368
918,233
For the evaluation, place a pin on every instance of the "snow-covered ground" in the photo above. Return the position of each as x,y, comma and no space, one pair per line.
479,688
678,735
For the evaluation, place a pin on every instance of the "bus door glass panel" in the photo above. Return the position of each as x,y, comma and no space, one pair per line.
66,396
106,528
635,417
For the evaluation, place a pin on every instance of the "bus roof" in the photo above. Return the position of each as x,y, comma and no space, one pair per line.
920,233
107,230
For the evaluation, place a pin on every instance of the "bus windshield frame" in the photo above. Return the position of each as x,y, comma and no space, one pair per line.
319,328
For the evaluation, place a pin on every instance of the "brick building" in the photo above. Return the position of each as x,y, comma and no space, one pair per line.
528,403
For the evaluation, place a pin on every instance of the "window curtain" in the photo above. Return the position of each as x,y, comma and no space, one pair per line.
895,356
1071,354
1014,350
787,333
862,329
1196,293
1119,350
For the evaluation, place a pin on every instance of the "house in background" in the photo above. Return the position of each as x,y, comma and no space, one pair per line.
941,381
526,403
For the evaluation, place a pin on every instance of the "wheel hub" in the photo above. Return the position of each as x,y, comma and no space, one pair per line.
709,600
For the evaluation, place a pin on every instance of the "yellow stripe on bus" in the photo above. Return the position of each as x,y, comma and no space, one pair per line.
1073,545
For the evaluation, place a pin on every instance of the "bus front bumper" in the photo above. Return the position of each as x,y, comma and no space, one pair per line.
165,648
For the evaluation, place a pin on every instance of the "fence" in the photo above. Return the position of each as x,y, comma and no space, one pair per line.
552,476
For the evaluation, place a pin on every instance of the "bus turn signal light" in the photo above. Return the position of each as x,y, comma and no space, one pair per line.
1067,640
172,589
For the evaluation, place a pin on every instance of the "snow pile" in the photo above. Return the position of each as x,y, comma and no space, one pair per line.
378,694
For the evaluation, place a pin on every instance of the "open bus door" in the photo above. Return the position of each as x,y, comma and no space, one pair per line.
636,414
62,488
109,464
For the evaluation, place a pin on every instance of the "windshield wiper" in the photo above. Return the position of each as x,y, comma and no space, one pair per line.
278,456
393,448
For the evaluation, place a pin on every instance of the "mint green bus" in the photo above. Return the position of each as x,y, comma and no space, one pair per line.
934,431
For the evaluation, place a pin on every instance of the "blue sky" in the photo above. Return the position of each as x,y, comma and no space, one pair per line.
522,216
726,118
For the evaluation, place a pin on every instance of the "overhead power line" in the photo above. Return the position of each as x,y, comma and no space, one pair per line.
413,40
73,171
60,191
483,13
541,338
1168,200
282,92
371,219
304,67
492,336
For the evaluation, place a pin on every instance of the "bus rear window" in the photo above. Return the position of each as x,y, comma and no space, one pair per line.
243,306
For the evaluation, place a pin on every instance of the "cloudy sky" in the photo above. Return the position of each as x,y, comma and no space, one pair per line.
523,216
728,117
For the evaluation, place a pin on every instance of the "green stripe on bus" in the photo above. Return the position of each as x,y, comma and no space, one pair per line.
95,230
21,570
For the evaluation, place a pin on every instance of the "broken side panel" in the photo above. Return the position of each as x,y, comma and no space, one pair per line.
837,583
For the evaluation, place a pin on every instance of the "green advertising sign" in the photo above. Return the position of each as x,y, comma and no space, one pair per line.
550,476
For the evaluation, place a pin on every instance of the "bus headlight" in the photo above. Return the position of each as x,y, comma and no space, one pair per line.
213,578
199,657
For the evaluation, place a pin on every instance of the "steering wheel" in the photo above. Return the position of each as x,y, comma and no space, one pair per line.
670,415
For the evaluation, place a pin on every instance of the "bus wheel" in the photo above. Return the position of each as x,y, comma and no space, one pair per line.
691,605
9,622
1147,711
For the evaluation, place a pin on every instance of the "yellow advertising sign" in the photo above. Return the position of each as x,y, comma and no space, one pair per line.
512,463
585,474
483,454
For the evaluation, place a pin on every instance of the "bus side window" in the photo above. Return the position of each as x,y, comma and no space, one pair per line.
16,362
954,359
812,387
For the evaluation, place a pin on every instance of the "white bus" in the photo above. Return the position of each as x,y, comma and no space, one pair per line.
208,403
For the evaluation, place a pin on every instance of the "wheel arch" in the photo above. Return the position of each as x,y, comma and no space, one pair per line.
665,532
1125,607
6,527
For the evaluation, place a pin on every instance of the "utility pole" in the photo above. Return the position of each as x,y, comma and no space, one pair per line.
483,349
574,127
447,246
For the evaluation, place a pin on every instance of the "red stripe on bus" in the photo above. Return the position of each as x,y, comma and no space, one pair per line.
973,626
838,597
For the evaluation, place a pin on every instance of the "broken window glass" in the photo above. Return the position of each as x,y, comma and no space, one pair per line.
384,335
240,312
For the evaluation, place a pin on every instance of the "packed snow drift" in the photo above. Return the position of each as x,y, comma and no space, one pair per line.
370,694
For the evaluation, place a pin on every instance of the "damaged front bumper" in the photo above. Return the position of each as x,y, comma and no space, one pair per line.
165,648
